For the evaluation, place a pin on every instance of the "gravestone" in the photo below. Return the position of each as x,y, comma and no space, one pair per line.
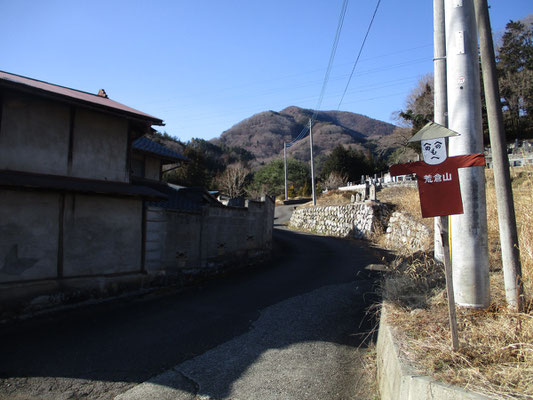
372,193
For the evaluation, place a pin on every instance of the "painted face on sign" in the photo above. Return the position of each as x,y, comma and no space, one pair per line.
434,151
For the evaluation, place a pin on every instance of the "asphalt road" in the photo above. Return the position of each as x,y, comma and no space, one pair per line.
291,329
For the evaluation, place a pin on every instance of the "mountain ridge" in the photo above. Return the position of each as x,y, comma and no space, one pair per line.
264,134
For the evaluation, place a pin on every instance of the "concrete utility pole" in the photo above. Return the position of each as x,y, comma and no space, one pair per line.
512,269
285,169
312,162
469,245
440,102
442,246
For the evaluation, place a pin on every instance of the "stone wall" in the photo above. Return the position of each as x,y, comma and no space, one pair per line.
404,232
357,220
361,220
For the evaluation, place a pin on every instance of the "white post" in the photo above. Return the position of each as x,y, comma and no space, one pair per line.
285,169
469,230
312,162
442,247
440,102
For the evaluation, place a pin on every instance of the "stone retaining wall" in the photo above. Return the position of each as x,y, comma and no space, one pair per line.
360,220
404,232
357,220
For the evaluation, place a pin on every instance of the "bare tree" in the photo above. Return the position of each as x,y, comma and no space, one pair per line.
233,180
335,180
418,105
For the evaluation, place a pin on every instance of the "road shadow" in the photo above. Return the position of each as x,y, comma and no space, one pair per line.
132,340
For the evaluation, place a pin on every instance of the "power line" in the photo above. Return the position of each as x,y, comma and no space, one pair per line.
359,54
340,23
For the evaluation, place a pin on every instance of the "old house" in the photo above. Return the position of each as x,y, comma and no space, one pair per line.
68,208
149,157
83,209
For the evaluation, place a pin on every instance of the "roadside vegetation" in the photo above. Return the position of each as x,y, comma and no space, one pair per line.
496,344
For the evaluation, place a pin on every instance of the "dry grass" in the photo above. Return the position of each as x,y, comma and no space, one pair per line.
406,200
496,354
331,198
496,347
522,182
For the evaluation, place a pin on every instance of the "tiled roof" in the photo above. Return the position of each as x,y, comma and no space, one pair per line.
72,95
191,199
149,146
188,199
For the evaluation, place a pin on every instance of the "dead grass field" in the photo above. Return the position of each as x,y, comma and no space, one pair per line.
496,354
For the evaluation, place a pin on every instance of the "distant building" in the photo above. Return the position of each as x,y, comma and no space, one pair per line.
148,158
520,154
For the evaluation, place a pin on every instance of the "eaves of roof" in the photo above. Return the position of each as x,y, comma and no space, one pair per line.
145,145
21,83
32,181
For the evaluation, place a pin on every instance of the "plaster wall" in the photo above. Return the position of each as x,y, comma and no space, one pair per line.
102,235
34,135
152,167
100,146
28,235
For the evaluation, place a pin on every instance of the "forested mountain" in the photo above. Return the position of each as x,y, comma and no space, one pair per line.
263,134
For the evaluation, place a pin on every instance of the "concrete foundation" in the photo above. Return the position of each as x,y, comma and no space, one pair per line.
398,380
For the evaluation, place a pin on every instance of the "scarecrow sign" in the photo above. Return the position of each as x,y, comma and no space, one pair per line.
439,191
437,174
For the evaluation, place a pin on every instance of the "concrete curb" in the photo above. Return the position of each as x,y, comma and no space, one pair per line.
397,380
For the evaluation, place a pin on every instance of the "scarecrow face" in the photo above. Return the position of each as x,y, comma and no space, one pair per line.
434,151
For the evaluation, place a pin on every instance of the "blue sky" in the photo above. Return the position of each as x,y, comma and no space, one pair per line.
204,66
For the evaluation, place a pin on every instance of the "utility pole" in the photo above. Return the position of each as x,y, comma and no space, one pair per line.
285,169
469,230
440,103
442,245
312,161
512,269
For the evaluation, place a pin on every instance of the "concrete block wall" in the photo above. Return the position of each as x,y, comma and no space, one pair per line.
214,238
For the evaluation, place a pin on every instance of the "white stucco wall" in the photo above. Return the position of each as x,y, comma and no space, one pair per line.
28,235
103,235
34,135
99,147
152,166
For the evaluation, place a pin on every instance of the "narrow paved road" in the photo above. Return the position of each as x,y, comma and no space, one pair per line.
287,330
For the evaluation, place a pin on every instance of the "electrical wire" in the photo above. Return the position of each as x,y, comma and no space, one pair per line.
359,54
340,23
